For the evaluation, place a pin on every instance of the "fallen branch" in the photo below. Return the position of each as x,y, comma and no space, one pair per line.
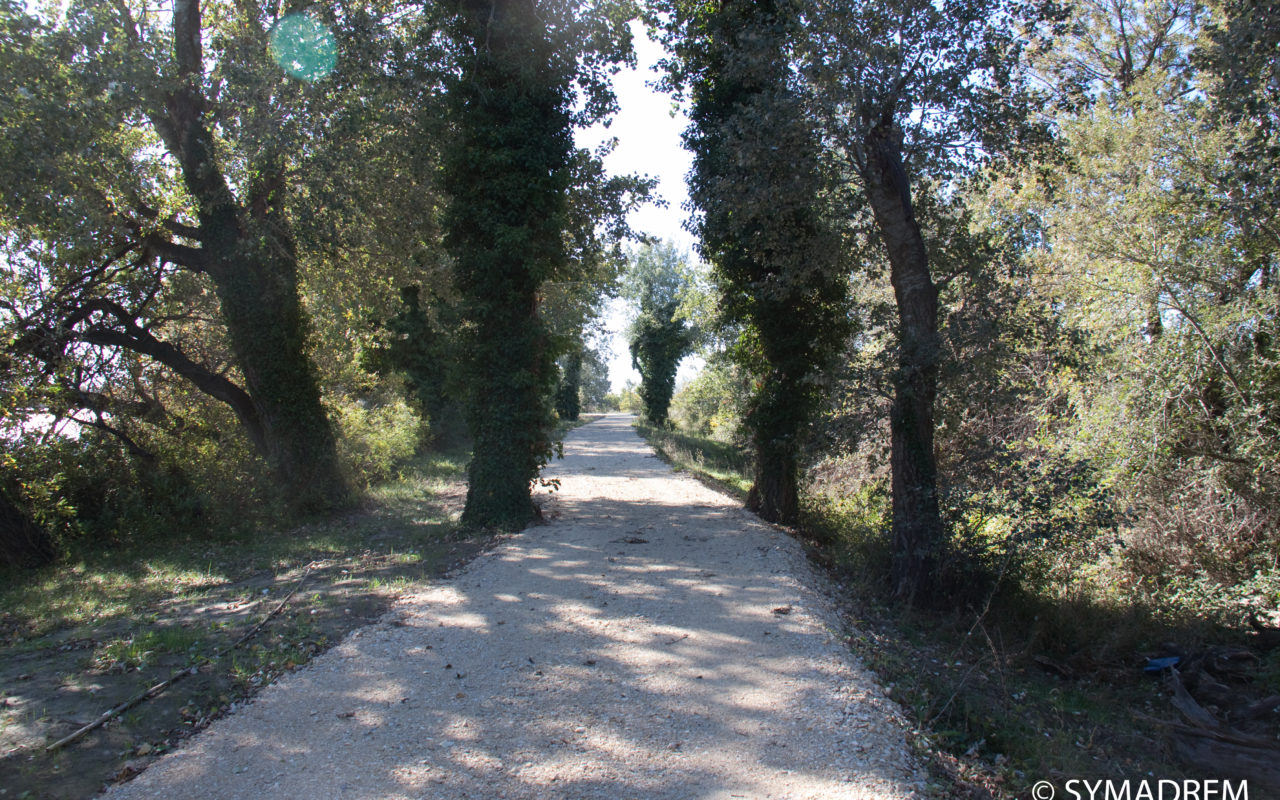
1205,742
190,669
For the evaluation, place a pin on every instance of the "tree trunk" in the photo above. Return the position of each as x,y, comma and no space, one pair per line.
918,535
507,448
23,543
506,171
568,404
253,265
268,332
774,494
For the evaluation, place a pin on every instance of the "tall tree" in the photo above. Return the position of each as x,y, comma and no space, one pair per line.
508,171
660,335
757,185
163,160
913,91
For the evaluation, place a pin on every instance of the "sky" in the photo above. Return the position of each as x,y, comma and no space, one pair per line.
648,143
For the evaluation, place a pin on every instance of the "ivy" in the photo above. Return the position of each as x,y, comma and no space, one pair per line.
506,172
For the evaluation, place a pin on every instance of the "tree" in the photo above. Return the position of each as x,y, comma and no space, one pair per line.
595,380
508,172
660,336
1154,240
775,252
568,399
911,91
421,351
164,165
1241,55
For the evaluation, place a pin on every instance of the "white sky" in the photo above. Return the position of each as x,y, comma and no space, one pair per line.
649,144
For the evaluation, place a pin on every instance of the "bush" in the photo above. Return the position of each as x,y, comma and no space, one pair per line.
845,505
374,438
711,403
90,489
627,400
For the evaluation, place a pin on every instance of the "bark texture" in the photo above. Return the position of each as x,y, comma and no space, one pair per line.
918,535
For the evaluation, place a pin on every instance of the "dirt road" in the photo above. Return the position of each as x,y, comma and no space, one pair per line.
650,640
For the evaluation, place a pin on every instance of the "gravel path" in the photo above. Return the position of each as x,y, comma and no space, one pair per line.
652,640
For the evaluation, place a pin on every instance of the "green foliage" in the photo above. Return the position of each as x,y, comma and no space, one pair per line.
1165,274
775,253
711,404
373,439
425,356
851,518
148,242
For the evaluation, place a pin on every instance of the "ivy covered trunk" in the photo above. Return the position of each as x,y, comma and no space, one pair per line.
918,534
774,493
506,173
661,340
568,404
268,330
248,254
777,257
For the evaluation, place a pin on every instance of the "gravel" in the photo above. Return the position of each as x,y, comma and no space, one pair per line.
650,640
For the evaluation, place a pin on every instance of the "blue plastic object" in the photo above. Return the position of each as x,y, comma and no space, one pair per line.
1155,665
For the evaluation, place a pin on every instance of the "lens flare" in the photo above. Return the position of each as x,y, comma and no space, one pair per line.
304,47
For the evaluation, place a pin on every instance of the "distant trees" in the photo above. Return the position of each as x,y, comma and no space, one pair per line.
655,283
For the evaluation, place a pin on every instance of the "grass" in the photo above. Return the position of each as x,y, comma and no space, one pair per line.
722,464
99,584
133,652
81,636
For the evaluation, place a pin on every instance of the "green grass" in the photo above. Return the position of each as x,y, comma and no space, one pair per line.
99,584
720,463
135,651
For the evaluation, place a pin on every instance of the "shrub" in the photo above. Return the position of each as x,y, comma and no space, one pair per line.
711,403
374,438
